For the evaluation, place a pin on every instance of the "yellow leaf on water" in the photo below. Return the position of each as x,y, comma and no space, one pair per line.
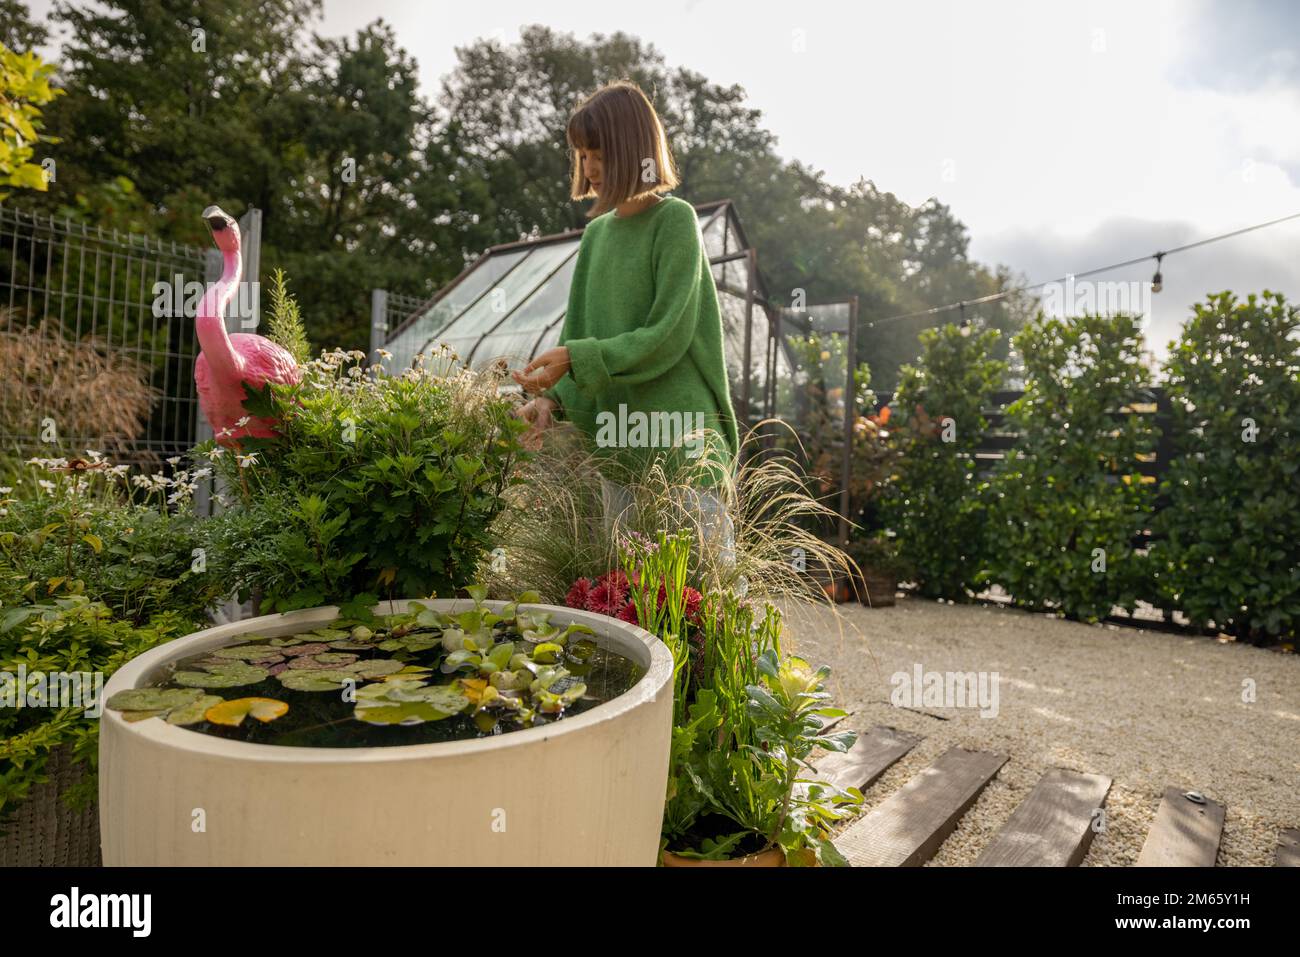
233,713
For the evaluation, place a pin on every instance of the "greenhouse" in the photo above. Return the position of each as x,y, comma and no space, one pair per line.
510,304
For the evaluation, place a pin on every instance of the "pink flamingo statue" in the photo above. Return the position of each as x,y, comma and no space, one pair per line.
228,361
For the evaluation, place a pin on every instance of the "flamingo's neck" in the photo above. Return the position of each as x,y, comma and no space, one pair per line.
210,324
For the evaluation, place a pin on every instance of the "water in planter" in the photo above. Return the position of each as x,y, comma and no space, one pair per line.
414,678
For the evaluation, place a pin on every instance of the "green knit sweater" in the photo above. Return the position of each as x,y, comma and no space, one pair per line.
644,333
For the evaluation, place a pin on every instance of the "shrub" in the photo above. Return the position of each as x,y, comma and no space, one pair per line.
1070,498
65,635
382,484
1229,540
74,526
936,501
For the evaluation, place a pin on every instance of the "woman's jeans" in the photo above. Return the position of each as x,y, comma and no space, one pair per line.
714,522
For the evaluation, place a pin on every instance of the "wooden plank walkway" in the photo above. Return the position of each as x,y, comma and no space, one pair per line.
908,828
1288,848
1052,827
1184,834
869,758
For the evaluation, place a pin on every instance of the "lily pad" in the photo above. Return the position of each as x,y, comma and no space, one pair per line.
141,715
330,660
251,653
413,643
193,713
547,652
375,667
233,713
347,644
230,675
153,699
295,640
329,634
407,702
315,680
307,648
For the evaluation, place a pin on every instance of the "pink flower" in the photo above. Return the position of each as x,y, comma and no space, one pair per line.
693,600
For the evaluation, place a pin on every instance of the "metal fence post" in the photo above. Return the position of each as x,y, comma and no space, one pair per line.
378,322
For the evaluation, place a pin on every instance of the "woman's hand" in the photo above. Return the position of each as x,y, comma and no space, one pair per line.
544,371
537,413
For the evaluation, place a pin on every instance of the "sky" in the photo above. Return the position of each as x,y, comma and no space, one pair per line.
1064,135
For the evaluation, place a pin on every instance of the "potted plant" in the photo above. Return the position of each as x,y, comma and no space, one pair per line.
194,769
746,721
879,567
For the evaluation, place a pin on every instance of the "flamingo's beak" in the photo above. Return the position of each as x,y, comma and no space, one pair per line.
216,219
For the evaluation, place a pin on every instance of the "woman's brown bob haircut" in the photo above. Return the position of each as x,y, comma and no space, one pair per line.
635,158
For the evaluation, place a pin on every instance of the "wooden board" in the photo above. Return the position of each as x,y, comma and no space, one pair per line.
1184,834
1052,827
869,758
1288,848
907,829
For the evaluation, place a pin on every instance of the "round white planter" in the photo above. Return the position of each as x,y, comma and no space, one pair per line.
586,790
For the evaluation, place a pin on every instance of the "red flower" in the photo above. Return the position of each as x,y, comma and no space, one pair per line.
607,598
693,599
578,592
628,614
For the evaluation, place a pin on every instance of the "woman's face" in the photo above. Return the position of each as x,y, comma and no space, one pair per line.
591,167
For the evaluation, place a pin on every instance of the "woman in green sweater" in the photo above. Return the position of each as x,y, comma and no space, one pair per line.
640,365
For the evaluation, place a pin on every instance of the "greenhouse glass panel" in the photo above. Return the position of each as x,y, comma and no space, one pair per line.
502,299
514,338
429,323
714,239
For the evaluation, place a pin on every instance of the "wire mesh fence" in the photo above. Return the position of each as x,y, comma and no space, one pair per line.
97,341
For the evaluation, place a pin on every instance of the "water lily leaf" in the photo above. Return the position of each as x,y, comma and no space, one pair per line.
277,668
547,652
308,648
315,680
258,653
229,675
141,715
485,721
193,713
401,712
347,644
583,648
406,644
153,699
406,672
375,667
331,660
233,713
290,642
330,634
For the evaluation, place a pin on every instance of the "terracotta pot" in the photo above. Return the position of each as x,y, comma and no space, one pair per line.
772,857
840,590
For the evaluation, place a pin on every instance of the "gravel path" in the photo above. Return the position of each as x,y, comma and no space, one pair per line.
1148,709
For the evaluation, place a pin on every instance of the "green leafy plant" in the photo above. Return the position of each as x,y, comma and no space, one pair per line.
285,326
74,526
382,484
1228,542
936,500
878,552
745,720
1070,496
68,634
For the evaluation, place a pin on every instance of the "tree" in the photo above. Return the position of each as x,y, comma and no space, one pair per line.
24,89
